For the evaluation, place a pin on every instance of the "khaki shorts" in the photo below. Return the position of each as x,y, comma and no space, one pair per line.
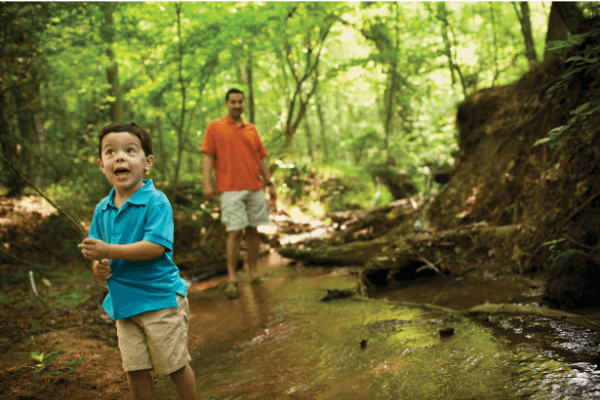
243,208
155,339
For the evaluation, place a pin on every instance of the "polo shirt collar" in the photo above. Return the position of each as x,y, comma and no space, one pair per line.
141,197
233,122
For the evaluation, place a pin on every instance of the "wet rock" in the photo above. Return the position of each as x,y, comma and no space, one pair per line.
572,281
387,325
446,332
334,294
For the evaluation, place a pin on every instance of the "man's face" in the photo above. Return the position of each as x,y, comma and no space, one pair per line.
235,105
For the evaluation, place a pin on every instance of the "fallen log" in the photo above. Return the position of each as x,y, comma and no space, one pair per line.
395,251
356,253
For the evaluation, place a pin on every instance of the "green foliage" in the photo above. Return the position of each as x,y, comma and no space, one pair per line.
43,361
552,246
562,257
175,62
74,363
330,188
583,61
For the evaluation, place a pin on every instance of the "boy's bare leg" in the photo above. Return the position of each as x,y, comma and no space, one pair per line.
140,384
252,248
184,383
234,240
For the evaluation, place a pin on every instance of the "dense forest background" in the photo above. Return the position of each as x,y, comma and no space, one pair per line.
365,93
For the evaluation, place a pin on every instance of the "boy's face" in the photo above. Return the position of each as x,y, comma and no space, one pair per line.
235,105
124,162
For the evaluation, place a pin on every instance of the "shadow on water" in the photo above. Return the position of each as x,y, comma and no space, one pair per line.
279,341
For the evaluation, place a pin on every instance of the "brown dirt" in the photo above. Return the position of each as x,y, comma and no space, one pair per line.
28,233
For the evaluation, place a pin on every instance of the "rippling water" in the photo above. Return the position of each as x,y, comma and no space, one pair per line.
279,341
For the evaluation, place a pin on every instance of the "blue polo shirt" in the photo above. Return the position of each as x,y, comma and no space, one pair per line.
139,286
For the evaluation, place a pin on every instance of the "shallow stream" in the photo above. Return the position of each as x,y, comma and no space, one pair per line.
278,340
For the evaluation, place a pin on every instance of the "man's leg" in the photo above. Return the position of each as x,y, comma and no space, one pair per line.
234,240
140,384
252,248
184,383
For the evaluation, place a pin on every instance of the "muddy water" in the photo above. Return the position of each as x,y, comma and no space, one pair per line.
279,341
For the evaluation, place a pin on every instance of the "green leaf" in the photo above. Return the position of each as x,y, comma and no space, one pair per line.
37,356
54,373
579,109
53,356
541,141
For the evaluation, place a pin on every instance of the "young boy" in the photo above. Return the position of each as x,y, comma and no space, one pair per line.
130,242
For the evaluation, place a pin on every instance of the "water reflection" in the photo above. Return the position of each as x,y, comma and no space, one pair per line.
278,340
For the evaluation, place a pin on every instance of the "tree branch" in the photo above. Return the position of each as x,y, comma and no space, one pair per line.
41,194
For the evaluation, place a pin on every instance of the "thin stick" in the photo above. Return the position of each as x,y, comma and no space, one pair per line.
41,194
35,290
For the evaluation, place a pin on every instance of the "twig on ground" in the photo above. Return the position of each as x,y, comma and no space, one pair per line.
41,194
35,290
585,246
428,265
207,234
494,312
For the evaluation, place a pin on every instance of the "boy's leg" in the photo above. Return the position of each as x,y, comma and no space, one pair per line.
234,240
140,384
252,248
184,383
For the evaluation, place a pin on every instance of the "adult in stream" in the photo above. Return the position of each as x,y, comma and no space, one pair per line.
232,147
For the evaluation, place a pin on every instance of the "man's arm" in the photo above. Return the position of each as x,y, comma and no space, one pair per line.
96,249
209,163
266,175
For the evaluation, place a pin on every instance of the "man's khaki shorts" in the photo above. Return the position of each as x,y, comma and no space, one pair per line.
243,208
155,339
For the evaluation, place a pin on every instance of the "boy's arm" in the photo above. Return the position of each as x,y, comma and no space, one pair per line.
95,249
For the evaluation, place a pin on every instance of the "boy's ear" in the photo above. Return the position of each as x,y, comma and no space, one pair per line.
100,163
149,162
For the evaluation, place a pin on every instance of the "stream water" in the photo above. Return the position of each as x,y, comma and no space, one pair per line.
278,340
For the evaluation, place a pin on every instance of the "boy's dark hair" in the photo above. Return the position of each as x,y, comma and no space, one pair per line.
132,128
234,90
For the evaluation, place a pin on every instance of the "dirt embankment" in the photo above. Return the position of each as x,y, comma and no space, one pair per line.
506,198
503,179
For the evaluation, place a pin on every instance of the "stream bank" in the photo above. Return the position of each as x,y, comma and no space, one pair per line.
279,340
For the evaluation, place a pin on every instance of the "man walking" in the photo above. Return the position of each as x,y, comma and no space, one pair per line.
232,147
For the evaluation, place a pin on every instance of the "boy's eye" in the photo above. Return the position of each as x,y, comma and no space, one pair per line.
131,150
110,151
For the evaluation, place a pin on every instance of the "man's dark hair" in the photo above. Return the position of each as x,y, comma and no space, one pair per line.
132,128
234,90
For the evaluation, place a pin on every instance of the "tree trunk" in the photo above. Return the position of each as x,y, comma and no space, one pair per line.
321,115
309,141
557,30
181,124
249,78
107,32
442,16
525,21
358,253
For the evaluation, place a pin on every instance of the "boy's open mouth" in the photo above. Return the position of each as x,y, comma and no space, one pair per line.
121,171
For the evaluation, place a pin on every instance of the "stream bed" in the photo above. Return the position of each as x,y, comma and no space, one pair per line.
278,340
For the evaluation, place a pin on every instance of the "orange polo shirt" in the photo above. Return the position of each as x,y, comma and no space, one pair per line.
237,150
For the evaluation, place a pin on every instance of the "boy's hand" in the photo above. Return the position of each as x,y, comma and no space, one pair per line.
102,269
94,249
